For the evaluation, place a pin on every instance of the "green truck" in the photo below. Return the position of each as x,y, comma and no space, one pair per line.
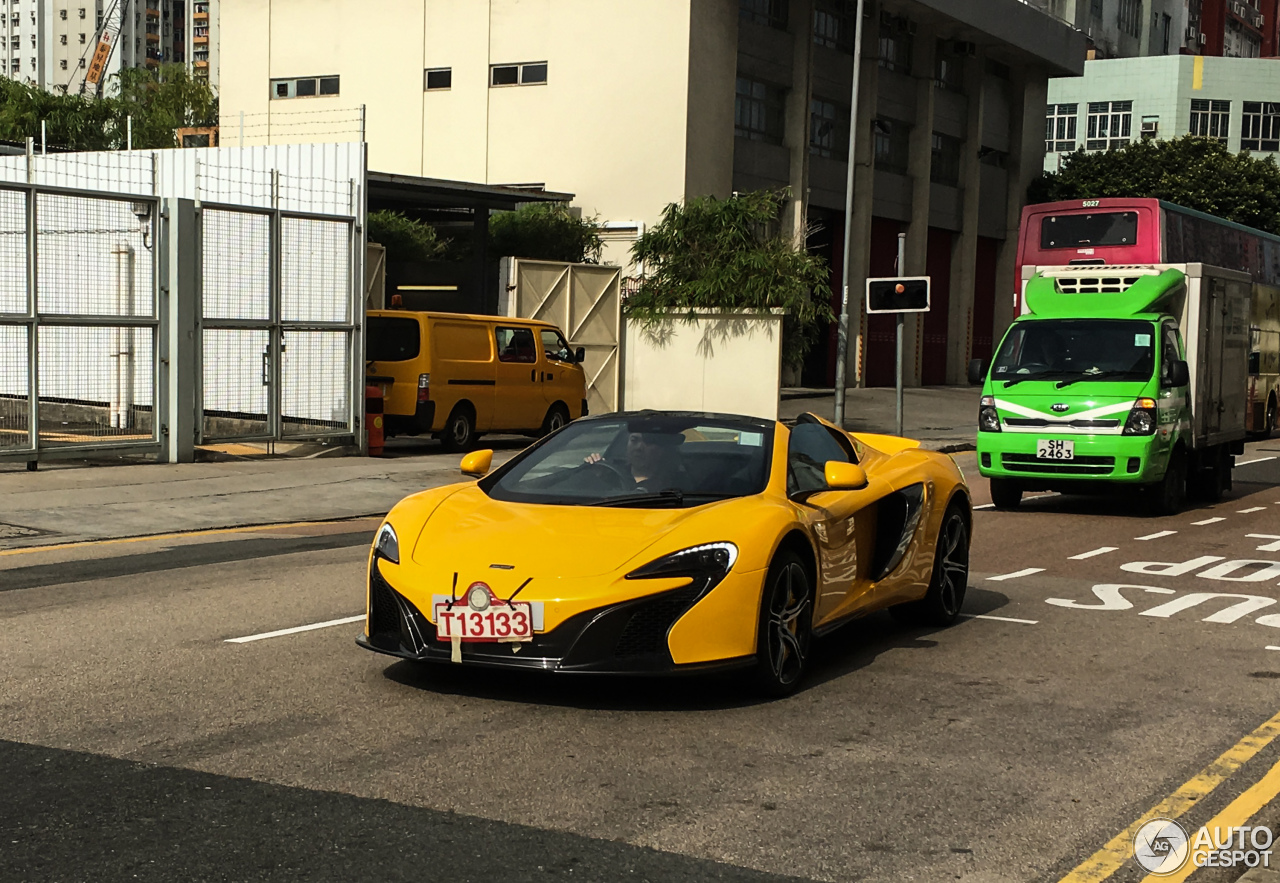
1119,379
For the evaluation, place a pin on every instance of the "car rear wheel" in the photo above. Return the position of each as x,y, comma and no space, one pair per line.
950,581
459,431
785,631
1005,493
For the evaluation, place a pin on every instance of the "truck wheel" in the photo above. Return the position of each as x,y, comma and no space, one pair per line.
1213,475
1166,498
459,431
1005,493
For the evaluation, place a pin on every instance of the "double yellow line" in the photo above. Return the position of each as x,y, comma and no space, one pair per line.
1110,858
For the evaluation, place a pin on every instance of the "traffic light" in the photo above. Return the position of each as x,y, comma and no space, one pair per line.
898,295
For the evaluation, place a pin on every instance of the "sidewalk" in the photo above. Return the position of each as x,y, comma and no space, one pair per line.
69,502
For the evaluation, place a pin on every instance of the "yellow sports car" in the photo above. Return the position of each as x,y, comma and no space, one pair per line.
661,541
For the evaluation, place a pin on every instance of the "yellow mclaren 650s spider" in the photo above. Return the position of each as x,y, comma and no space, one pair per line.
665,542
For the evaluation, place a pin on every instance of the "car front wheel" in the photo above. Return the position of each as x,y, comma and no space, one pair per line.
785,629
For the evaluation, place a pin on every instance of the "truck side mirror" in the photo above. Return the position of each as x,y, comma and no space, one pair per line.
977,372
580,355
1179,373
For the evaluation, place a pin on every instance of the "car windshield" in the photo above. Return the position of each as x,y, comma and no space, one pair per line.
1076,350
641,460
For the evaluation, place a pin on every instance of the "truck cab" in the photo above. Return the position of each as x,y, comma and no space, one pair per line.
1124,382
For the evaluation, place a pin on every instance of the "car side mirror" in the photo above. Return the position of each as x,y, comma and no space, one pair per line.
843,476
1179,373
977,372
477,463
580,355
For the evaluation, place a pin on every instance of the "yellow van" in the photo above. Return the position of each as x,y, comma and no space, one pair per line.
456,376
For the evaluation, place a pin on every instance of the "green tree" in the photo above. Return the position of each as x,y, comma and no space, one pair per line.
75,121
162,102
546,232
406,239
729,254
1199,173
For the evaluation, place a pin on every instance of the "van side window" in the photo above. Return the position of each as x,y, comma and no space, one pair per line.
554,346
516,345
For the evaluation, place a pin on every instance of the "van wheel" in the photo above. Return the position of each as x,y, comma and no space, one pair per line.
557,417
459,431
1005,493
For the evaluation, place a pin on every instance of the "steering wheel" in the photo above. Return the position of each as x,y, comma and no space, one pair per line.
622,480
1029,365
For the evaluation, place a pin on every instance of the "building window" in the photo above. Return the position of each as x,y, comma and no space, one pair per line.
833,24
82,12
81,62
765,12
1210,119
62,13
949,65
63,39
63,64
828,129
1095,8
989,156
1109,124
945,168
1130,18
82,39
1260,126
1167,24
304,87
896,42
530,73
1060,128
757,111
439,78
892,145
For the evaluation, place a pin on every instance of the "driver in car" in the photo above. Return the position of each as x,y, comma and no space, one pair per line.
653,459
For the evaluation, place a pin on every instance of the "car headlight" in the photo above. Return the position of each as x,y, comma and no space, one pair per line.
988,416
1142,419
706,565
387,544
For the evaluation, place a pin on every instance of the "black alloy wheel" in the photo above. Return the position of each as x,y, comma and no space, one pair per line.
944,599
785,632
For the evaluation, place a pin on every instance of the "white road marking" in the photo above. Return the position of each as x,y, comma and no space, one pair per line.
1027,572
1102,551
1157,535
1005,619
1251,462
295,630
1251,509
986,506
1208,521
1273,648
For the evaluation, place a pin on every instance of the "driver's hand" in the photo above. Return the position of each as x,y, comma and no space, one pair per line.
592,458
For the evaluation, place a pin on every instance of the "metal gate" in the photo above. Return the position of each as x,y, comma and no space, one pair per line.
585,301
276,325
79,323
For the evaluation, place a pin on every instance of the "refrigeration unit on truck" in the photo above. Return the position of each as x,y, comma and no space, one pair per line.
1129,379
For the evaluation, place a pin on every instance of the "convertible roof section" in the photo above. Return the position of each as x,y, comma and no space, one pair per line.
1104,292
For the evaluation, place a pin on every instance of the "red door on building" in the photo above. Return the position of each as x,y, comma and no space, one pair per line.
938,268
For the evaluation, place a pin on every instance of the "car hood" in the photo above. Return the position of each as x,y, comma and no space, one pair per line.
470,531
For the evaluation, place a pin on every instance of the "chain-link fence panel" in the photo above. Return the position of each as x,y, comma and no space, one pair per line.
316,270
315,391
15,417
95,256
95,384
237,383
236,265
13,251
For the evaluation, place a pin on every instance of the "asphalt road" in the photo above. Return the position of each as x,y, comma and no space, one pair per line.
138,743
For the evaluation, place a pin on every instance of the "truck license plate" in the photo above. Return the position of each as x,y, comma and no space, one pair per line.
1055,449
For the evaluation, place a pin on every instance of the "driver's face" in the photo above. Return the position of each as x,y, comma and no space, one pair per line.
639,451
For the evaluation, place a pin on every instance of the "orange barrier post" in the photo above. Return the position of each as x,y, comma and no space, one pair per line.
373,419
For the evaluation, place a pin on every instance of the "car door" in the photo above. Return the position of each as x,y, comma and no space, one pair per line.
840,521
562,377
518,394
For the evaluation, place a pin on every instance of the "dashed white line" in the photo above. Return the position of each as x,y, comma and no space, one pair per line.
1102,551
1251,462
1273,648
1157,535
295,630
1017,573
986,506
1208,521
1251,509
1004,619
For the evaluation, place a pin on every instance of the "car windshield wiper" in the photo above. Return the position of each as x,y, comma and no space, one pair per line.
671,495
1101,375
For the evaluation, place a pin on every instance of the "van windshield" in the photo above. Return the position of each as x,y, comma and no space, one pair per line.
388,339
1075,350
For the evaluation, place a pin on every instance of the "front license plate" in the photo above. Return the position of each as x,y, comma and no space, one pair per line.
500,622
1055,449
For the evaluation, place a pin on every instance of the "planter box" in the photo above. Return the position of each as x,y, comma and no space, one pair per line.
721,362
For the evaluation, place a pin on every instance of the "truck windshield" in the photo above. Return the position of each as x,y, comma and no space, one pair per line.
1075,350
1097,228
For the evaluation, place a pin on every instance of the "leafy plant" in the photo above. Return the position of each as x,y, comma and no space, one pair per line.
1199,173
545,232
406,239
729,254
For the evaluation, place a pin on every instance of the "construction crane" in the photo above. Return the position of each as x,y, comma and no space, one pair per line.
107,35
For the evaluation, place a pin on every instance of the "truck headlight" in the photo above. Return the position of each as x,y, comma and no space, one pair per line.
988,417
1142,419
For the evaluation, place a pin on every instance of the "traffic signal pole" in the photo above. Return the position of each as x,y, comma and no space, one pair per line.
842,328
